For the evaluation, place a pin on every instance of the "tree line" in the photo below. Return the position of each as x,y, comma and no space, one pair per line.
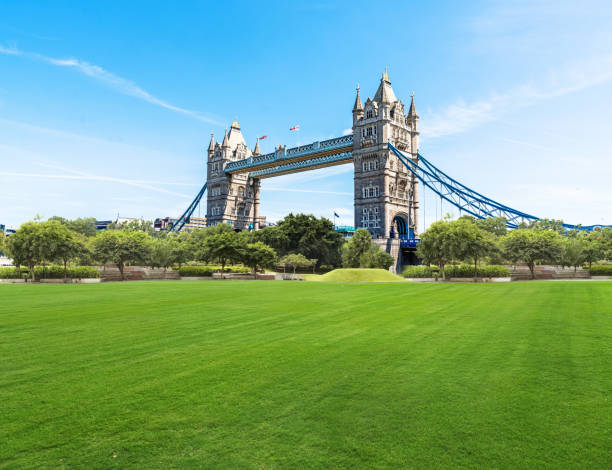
542,242
296,242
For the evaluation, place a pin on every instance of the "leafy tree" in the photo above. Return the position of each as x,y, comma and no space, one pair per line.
493,225
355,248
533,246
470,242
313,237
160,255
224,246
136,225
85,226
295,261
2,242
548,224
24,246
121,247
180,249
59,243
573,251
258,255
436,245
360,252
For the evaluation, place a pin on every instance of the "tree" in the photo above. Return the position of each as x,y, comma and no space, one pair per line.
160,255
59,243
355,248
85,226
135,225
223,246
121,247
24,246
533,246
379,258
493,225
313,237
180,249
258,255
436,245
470,242
2,242
573,252
295,261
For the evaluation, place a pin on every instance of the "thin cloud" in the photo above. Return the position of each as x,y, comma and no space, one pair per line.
463,116
120,84
149,185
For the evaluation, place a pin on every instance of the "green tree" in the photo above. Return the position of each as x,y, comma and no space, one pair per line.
533,246
160,255
2,242
294,261
85,226
378,258
258,255
224,246
572,253
24,246
121,247
136,225
436,245
493,225
470,242
355,248
59,243
313,237
180,249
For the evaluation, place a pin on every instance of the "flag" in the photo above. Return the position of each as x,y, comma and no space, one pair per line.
294,128
336,215
263,137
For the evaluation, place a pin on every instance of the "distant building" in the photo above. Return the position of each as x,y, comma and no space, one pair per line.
102,225
167,222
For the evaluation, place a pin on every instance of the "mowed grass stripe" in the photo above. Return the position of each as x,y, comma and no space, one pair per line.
306,375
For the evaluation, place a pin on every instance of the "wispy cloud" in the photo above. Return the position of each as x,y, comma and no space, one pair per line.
120,84
463,116
77,175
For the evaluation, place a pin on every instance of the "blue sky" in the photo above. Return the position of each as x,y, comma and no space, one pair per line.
107,107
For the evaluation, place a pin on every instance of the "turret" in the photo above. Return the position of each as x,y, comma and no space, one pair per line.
257,150
211,146
357,108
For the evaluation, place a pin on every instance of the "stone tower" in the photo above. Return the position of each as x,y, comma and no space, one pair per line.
386,197
231,199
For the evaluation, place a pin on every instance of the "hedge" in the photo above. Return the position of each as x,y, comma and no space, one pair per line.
207,271
57,272
463,270
601,270
13,273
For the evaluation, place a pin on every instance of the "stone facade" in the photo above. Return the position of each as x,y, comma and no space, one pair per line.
386,194
232,199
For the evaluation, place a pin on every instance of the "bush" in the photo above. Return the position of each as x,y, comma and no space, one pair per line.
417,271
196,271
199,271
48,272
601,270
467,270
83,272
13,273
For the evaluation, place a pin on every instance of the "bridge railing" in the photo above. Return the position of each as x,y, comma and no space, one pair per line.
294,152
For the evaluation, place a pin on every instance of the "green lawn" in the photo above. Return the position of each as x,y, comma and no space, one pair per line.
304,375
355,275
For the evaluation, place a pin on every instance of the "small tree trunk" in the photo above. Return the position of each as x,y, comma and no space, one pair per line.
532,269
475,267
65,271
31,266
120,266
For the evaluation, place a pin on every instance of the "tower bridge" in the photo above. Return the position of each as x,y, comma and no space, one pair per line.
388,168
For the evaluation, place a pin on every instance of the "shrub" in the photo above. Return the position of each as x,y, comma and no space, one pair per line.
13,273
601,270
467,270
196,271
417,271
83,272
48,272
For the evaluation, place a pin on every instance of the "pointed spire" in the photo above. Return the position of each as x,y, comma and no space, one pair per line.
257,150
235,124
385,93
358,106
211,146
412,112
225,141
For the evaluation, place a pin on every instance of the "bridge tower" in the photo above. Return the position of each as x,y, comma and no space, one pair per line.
232,198
386,194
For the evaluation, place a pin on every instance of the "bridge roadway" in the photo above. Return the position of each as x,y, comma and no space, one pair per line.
336,151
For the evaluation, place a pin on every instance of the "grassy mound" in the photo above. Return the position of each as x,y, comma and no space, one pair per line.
356,275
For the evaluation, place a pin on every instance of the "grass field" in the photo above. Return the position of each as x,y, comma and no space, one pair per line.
159,375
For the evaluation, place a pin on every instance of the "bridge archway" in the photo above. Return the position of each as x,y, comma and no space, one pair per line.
399,226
